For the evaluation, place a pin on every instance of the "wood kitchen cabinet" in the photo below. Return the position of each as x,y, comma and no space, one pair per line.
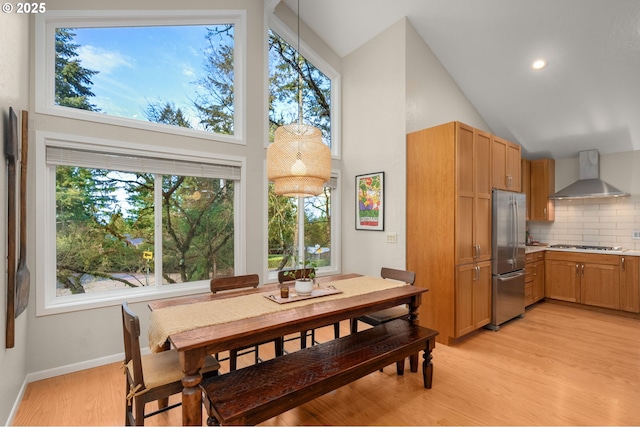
585,278
525,173
449,223
543,183
505,165
473,297
630,283
534,277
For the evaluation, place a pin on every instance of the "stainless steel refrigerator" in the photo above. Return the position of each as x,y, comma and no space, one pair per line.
508,257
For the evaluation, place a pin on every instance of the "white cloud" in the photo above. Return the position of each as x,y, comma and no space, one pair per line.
95,58
188,71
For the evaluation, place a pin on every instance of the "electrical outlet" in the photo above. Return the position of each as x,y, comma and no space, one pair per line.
392,237
636,235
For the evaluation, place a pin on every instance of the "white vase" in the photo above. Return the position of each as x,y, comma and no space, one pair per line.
304,287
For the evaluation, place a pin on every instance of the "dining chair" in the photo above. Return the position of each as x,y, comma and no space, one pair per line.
389,314
288,276
247,281
154,376
384,316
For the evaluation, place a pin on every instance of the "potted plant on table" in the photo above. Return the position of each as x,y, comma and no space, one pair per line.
304,275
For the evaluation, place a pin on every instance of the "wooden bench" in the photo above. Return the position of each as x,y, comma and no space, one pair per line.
256,393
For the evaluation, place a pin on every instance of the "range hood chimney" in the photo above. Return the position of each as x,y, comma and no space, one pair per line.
589,185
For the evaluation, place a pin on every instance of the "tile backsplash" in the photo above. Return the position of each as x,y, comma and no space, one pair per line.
603,222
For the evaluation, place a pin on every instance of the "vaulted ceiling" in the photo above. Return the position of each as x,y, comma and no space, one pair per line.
588,96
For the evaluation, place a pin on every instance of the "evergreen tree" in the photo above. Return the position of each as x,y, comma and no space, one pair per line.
73,81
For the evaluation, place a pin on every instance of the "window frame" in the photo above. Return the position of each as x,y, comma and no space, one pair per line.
305,50
45,190
336,230
45,25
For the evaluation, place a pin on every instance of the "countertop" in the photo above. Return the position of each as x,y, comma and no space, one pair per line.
539,248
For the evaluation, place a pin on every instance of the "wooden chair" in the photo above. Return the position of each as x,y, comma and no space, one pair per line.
384,316
289,276
151,377
242,282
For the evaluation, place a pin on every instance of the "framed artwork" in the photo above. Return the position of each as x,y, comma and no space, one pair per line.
370,201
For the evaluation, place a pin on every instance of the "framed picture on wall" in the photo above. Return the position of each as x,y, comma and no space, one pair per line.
370,201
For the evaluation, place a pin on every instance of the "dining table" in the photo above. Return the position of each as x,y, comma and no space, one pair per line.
210,323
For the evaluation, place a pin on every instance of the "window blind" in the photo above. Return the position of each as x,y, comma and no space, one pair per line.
60,156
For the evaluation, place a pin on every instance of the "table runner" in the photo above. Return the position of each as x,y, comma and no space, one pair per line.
180,318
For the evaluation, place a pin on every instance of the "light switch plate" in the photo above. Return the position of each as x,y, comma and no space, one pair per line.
392,237
636,235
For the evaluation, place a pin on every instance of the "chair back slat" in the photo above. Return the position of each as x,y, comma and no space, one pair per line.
406,276
292,275
131,331
234,282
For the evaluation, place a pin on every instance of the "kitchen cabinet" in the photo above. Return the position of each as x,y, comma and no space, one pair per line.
525,174
543,183
534,277
630,283
505,165
585,278
473,297
449,223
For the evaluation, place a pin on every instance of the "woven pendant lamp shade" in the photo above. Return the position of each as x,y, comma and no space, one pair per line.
298,162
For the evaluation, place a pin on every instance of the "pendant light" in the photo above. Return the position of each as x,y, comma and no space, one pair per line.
298,162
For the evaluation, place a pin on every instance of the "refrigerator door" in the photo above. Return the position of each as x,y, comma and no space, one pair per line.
509,230
508,298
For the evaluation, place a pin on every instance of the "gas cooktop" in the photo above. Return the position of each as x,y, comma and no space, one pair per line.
589,247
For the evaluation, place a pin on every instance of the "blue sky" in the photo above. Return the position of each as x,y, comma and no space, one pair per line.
142,64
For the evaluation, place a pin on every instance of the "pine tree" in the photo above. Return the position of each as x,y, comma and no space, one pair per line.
73,81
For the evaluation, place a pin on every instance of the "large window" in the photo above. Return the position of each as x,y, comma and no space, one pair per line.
122,223
181,74
302,231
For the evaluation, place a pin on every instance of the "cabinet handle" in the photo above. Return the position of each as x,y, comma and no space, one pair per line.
544,211
582,270
509,181
577,270
477,273
535,270
623,263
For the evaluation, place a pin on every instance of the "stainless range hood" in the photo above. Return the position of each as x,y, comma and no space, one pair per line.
589,185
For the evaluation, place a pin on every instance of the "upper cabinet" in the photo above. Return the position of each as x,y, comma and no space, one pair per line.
525,171
543,183
505,164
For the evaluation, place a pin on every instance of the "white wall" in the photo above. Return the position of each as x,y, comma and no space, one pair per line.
69,340
602,221
393,85
14,92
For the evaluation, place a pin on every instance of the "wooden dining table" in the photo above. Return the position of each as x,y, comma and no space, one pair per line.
195,343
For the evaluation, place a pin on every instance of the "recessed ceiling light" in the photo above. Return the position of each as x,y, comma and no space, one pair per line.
539,64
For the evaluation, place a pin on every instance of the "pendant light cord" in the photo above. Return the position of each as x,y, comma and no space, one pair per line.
300,68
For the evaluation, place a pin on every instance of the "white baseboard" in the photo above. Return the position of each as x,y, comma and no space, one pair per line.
74,367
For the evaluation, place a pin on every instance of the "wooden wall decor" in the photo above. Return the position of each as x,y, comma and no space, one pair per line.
11,151
23,277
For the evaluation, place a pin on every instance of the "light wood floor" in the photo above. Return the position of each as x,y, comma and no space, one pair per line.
557,366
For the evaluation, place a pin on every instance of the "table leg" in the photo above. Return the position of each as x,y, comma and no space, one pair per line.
191,363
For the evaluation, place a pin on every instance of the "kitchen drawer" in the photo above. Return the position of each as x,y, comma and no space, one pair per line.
534,256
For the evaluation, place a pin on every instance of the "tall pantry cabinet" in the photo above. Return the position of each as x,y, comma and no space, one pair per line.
449,226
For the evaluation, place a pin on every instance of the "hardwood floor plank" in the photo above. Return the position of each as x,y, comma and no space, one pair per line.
558,365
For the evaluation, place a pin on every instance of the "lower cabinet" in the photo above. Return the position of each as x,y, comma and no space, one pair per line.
534,277
630,284
590,279
473,297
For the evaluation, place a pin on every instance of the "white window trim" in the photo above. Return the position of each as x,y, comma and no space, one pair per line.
45,277
336,231
336,82
45,25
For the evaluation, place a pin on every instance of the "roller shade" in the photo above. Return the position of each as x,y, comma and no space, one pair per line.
60,156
